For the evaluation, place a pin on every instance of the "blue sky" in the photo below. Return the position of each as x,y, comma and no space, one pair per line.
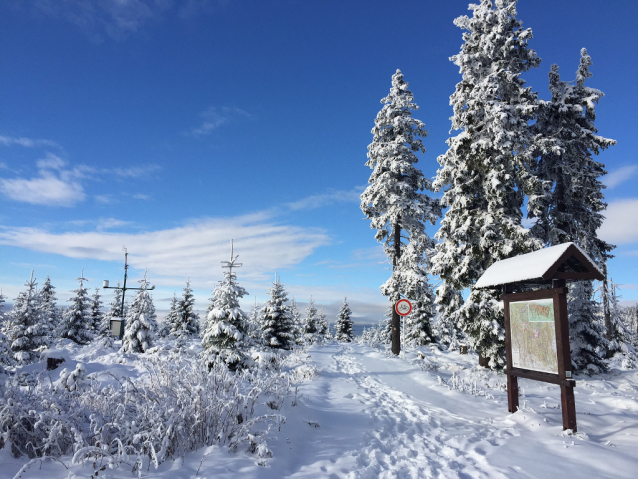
171,127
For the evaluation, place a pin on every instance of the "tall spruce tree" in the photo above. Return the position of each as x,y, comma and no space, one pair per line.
96,316
48,308
186,321
171,318
6,355
344,323
225,337
297,322
486,172
76,320
574,201
393,201
310,322
141,322
587,331
276,321
23,325
323,328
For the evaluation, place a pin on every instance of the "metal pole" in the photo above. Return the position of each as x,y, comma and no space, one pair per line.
124,287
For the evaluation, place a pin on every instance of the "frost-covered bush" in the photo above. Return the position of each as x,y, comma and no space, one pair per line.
180,405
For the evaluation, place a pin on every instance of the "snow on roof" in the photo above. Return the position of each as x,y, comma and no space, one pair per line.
531,266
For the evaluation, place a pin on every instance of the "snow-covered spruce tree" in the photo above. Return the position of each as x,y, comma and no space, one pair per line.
167,326
486,172
412,277
276,322
310,322
621,335
254,324
96,316
23,325
185,324
418,324
225,337
49,309
297,322
6,355
344,323
393,201
323,328
575,200
76,320
141,323
586,332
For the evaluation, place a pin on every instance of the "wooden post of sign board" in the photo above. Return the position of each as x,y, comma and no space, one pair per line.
567,402
512,381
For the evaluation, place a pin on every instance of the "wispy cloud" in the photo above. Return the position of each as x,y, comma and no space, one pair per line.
620,175
214,117
26,142
134,171
193,250
621,222
141,196
330,197
114,19
110,223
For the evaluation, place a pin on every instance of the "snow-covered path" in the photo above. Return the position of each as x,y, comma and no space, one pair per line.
369,415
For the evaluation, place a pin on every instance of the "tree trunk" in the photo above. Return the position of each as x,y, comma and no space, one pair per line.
609,332
396,320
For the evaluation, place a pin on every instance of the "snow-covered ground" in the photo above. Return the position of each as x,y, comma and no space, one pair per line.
368,414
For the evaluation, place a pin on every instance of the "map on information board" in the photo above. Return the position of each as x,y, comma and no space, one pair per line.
533,335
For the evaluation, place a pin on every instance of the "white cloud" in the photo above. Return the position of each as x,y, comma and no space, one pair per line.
26,142
115,18
621,175
621,222
193,250
134,171
215,117
48,189
323,199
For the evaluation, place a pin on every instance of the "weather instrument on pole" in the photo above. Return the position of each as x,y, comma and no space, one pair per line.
403,307
117,324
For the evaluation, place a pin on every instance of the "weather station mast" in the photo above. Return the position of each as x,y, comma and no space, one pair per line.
117,325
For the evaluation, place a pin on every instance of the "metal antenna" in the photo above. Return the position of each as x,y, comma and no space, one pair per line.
229,265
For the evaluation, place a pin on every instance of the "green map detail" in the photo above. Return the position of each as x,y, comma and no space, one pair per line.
533,335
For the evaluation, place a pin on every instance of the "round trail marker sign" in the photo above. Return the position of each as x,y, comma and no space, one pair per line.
403,307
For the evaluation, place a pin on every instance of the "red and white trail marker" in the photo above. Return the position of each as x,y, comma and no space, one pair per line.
403,307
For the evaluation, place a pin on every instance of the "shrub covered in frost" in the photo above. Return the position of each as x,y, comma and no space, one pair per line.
180,405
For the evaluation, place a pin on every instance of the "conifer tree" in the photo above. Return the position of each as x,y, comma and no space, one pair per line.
254,324
574,200
48,308
186,321
6,355
486,172
76,320
276,321
141,323
297,322
585,329
23,326
344,323
171,318
393,201
310,322
323,328
418,324
225,335
96,316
